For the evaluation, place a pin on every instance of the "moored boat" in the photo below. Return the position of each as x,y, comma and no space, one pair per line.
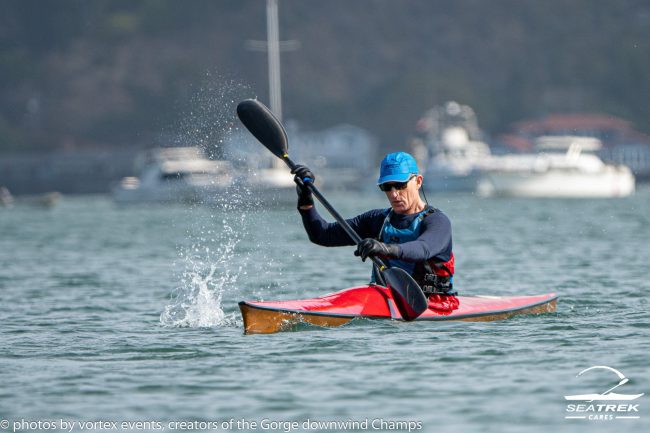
376,302
450,147
565,167
176,175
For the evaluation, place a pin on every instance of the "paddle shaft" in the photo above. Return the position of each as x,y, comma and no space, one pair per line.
339,219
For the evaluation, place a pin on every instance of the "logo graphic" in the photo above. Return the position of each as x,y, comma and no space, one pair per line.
607,395
584,408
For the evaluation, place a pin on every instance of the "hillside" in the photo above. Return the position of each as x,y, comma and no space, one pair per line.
88,74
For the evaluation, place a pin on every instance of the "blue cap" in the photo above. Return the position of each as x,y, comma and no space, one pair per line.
397,167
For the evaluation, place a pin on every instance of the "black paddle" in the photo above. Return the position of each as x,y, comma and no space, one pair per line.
259,120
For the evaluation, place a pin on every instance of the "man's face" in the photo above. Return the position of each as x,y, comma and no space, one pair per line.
404,201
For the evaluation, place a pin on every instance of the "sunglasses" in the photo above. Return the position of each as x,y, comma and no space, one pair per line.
395,185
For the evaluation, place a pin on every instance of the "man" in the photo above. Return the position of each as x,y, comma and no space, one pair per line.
410,234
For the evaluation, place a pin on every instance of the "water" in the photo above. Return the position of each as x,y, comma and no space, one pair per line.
131,314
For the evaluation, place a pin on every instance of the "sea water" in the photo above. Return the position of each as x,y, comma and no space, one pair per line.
129,314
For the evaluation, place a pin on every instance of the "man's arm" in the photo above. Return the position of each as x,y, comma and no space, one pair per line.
327,234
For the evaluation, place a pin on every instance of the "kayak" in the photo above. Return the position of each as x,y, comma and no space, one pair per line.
376,302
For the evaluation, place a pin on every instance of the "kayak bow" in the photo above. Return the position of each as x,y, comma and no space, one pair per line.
376,302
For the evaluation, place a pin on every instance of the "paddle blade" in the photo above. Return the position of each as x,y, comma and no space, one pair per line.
408,296
259,120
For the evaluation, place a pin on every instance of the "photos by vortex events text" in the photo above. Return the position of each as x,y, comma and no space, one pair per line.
231,424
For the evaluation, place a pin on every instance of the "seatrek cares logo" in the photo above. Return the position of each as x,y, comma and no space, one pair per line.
605,406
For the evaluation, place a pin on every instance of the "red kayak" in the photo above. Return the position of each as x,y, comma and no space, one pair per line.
376,302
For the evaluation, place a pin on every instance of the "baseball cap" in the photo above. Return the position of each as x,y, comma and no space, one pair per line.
397,167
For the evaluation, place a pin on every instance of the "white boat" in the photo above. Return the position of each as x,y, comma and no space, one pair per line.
561,169
449,148
176,174
457,165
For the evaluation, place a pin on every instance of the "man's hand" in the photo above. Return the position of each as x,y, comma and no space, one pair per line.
305,198
372,247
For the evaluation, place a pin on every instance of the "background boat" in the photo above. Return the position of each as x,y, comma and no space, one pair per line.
449,148
621,142
175,174
561,169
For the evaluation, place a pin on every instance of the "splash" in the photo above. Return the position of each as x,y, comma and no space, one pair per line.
211,265
198,303
212,268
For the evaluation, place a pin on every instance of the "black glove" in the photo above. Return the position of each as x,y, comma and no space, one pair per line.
372,247
304,194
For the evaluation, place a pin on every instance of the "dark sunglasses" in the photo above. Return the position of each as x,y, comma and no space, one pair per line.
395,185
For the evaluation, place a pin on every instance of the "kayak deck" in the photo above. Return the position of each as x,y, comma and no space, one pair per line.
376,302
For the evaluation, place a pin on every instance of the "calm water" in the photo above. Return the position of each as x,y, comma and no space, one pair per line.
131,314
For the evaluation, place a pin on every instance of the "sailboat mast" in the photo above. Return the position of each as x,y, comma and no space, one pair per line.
273,40
273,50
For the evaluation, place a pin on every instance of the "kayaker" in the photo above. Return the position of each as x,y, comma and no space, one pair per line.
409,234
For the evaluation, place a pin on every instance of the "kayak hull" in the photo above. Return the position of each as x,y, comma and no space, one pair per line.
376,302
